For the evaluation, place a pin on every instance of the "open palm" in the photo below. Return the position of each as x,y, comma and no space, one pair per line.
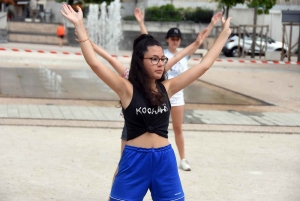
215,19
138,15
201,36
69,13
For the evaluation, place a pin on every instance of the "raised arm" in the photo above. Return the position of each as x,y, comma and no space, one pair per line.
183,80
118,66
190,50
121,86
214,20
139,16
193,46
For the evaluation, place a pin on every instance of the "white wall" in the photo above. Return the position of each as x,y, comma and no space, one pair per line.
55,9
163,27
3,20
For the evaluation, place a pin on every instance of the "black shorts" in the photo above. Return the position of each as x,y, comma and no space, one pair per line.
62,36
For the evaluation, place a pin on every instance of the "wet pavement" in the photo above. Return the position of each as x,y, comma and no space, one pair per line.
42,82
228,94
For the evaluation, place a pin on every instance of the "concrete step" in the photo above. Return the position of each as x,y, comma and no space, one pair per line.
31,32
3,35
37,39
31,27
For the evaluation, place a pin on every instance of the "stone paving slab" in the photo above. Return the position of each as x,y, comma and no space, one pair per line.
87,113
72,164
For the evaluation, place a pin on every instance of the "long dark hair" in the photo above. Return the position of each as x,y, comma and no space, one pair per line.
138,75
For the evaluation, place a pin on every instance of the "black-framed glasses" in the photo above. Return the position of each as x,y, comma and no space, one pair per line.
155,60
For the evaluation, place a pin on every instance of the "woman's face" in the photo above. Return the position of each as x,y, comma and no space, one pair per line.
154,62
173,42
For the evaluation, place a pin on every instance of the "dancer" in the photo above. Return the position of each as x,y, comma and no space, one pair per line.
173,39
148,160
124,72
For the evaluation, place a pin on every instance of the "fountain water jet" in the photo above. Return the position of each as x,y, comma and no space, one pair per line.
105,30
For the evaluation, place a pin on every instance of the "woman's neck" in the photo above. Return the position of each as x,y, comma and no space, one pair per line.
172,50
153,85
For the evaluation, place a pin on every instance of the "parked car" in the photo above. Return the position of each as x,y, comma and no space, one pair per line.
230,48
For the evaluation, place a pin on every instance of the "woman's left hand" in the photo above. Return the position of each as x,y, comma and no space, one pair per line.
139,15
201,36
216,18
69,13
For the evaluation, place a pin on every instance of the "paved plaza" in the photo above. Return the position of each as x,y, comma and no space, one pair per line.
60,129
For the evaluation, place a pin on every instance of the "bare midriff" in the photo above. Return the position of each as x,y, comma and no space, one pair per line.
148,140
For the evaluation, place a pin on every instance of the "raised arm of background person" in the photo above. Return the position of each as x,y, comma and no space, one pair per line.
214,20
182,53
117,65
139,16
183,80
121,86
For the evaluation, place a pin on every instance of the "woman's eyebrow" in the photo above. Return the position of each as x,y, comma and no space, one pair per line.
157,55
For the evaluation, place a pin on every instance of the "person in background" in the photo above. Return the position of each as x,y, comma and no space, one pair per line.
60,32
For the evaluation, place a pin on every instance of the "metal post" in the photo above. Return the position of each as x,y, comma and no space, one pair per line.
282,49
290,42
299,46
254,34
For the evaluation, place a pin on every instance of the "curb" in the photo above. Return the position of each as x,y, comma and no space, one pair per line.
127,56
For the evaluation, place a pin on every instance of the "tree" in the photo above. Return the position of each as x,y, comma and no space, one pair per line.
86,1
260,7
227,4
98,1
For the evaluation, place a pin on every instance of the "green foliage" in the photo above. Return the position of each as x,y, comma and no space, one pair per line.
98,1
229,3
129,17
164,13
169,13
263,5
86,1
202,15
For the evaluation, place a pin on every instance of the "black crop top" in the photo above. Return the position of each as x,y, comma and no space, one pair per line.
140,117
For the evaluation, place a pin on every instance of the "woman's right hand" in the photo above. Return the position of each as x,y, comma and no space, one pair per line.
69,13
226,24
139,15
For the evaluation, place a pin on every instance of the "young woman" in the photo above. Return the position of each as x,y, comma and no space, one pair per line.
124,72
173,39
148,160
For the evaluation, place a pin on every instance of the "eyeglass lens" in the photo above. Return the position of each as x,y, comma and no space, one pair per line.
156,59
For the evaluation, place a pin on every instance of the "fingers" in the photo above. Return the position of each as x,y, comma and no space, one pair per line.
70,9
137,10
78,8
219,15
66,9
227,22
62,12
223,20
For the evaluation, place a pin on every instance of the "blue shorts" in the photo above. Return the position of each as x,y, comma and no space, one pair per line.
141,169
124,133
